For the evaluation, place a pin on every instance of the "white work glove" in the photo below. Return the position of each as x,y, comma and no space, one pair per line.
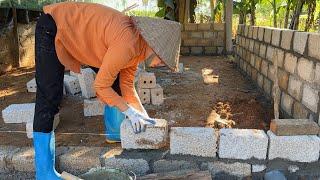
138,120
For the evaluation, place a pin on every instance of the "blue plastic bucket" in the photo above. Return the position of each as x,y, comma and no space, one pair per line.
113,118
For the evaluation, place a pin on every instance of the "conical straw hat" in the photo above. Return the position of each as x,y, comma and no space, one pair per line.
163,36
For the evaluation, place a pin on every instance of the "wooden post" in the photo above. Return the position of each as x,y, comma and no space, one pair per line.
228,25
16,53
182,7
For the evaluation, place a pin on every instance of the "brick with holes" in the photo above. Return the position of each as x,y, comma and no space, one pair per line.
147,80
145,96
157,95
72,84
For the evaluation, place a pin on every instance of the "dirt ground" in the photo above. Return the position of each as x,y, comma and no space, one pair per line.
209,88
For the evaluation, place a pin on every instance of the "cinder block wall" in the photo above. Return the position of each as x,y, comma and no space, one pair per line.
298,64
203,39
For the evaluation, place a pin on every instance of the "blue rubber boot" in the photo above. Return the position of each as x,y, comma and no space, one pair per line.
113,118
44,146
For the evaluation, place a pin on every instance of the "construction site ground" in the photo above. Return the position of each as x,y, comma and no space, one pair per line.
208,88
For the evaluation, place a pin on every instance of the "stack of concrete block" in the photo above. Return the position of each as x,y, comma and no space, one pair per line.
148,89
86,80
72,84
155,136
93,107
32,86
294,127
197,141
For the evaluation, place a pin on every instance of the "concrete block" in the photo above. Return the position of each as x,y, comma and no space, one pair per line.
252,60
144,95
240,170
286,39
294,148
293,127
18,113
79,160
246,31
269,55
290,63
23,160
93,107
154,137
310,98
243,144
111,160
184,50
163,165
300,41
271,72
262,52
196,50
286,103
299,111
264,68
180,68
208,35
267,35
72,84
251,45
279,57
190,42
220,50
6,153
276,37
218,26
294,87
256,168
267,86
261,33
32,85
147,80
255,32
305,69
283,78
196,35
314,45
210,50
260,80
86,80
258,63
157,95
256,47
195,141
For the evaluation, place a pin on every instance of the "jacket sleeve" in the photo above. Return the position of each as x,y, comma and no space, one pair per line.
115,59
127,87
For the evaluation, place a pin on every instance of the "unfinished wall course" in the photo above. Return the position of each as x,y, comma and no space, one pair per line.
267,35
276,33
138,166
243,144
261,33
294,148
195,141
155,136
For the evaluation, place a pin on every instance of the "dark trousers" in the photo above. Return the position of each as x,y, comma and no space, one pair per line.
49,75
